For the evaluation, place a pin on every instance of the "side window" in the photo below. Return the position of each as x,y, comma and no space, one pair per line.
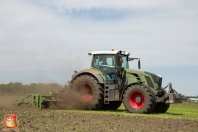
96,61
107,60
105,63
125,62
101,60
110,61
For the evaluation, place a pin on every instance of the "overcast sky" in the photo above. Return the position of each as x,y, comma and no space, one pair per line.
46,40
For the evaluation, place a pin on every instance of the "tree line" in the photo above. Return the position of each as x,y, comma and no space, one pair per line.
18,88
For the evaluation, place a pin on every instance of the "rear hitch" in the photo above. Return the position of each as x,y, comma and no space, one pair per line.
171,97
174,96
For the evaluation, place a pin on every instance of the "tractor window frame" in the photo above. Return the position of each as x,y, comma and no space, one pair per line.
107,63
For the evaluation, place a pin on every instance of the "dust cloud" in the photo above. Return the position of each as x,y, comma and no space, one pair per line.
6,102
68,99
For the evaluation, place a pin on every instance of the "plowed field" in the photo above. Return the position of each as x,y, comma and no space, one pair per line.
179,118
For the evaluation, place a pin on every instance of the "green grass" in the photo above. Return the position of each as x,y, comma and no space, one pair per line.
186,110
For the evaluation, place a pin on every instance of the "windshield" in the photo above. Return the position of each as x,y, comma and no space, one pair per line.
106,63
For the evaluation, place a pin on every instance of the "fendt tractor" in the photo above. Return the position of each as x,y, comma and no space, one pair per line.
109,82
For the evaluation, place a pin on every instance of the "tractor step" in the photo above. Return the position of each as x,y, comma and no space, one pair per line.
106,95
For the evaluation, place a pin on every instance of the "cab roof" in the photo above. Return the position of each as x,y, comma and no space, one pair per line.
108,52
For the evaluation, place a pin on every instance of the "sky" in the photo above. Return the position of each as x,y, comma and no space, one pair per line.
44,41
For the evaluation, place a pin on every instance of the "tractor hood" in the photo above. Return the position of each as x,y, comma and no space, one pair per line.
156,78
140,72
134,76
142,76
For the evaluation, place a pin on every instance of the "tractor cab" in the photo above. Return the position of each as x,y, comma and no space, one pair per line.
105,61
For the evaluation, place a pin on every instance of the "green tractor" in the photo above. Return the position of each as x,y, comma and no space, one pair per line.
109,82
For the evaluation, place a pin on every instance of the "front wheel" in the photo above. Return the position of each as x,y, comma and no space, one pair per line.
139,99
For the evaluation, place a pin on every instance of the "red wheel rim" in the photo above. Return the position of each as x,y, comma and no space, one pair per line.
137,100
86,92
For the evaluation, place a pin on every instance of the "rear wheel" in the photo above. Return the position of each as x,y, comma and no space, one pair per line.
139,99
89,90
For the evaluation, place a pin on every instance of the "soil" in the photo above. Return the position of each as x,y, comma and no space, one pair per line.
65,121
85,121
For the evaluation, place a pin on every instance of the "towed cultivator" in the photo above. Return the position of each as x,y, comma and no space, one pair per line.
109,82
36,100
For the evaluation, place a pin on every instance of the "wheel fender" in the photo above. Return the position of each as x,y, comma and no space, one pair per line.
92,72
122,94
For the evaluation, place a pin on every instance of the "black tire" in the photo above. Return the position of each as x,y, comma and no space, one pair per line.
90,91
114,105
153,100
139,99
161,107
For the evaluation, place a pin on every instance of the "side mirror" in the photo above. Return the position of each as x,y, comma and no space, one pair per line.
139,65
131,59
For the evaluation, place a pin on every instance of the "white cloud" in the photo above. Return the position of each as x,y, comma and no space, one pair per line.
116,4
32,32
55,36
